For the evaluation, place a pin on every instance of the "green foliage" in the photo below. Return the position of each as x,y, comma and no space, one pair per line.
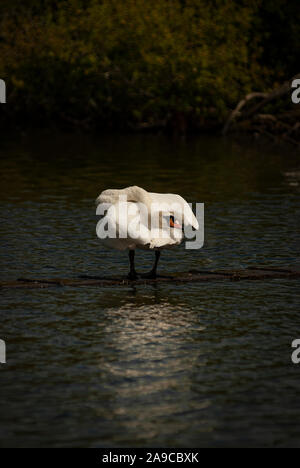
123,63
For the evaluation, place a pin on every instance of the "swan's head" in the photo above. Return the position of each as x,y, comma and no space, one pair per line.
177,212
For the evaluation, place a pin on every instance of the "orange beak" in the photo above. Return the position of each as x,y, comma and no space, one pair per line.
174,225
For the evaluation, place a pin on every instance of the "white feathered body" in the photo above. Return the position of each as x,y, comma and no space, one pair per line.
124,211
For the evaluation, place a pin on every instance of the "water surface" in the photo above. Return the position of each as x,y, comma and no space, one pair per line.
178,366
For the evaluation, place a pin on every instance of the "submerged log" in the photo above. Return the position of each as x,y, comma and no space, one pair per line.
192,276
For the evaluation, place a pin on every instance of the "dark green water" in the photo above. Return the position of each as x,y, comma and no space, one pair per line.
191,365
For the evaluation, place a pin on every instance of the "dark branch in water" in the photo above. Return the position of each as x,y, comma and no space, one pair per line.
284,126
193,276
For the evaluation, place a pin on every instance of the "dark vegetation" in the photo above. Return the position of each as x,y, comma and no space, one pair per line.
180,65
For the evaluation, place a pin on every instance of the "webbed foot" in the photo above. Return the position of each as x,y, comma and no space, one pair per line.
150,275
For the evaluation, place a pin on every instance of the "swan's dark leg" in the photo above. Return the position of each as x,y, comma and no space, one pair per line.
132,275
157,257
152,273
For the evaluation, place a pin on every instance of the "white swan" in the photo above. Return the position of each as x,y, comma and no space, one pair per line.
140,219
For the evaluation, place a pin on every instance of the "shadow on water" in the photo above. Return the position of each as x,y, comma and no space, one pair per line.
189,365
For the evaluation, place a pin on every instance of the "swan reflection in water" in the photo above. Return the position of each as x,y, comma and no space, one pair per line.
155,350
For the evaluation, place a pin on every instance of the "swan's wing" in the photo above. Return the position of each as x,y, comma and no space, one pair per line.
123,221
161,242
131,194
110,196
136,224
